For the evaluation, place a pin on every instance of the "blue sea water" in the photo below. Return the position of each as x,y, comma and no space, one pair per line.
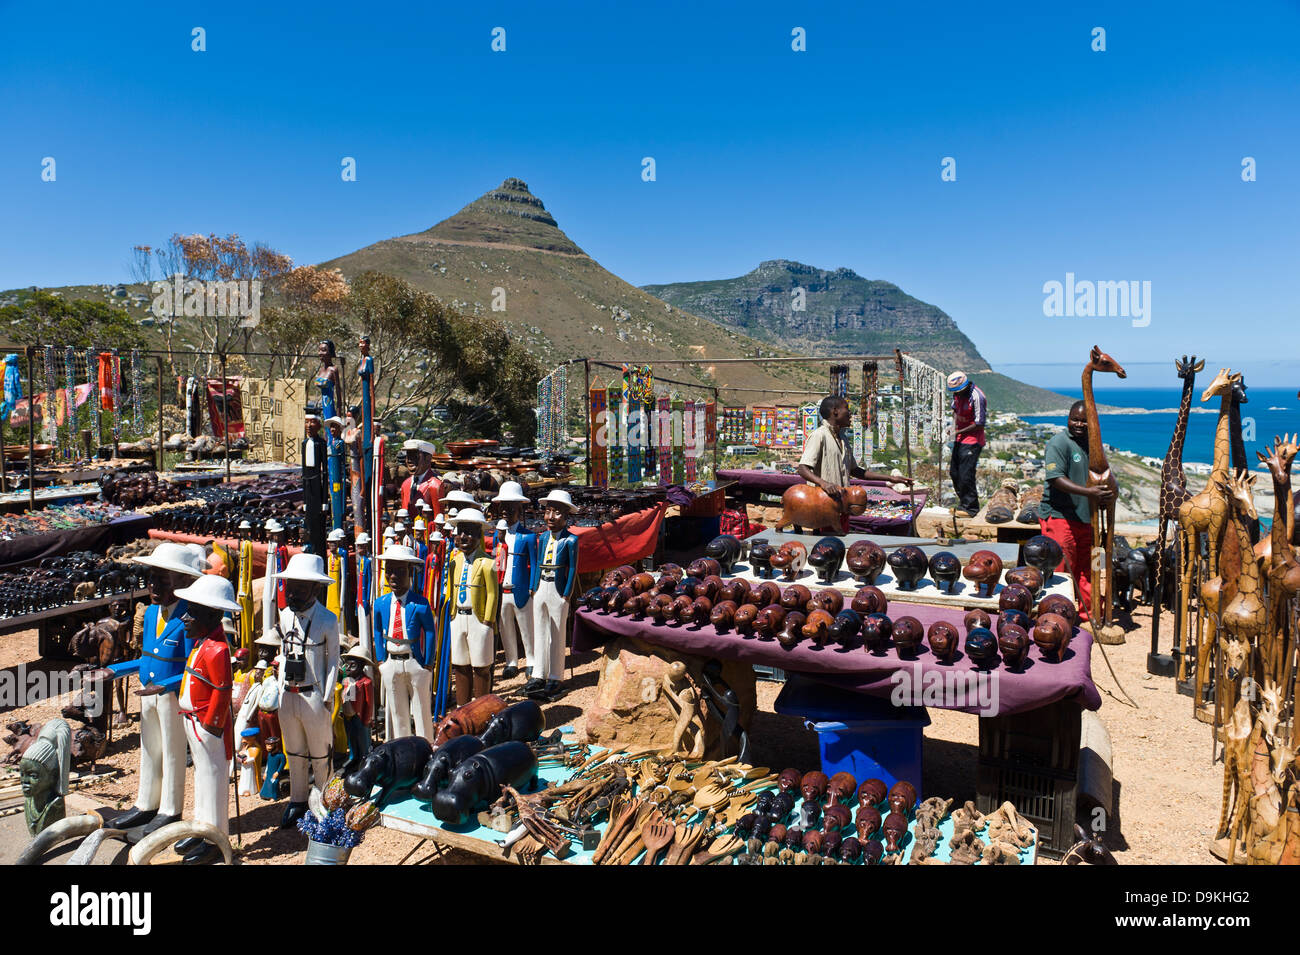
1267,412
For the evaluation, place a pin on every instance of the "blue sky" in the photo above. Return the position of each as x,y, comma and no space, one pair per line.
1122,165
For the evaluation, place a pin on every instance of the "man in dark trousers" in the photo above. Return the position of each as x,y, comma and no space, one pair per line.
969,411
313,485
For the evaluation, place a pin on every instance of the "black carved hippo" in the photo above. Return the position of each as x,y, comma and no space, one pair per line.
945,568
725,549
1045,554
522,721
445,759
760,557
478,780
909,566
826,557
397,764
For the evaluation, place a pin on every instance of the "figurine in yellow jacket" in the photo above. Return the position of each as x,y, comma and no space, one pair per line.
474,595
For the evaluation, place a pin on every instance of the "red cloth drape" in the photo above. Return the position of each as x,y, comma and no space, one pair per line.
630,538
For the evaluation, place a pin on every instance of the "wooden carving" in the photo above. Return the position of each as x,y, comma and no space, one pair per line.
1281,566
1099,473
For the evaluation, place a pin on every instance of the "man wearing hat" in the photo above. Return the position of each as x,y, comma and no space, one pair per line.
422,484
336,569
205,704
314,455
164,649
472,589
553,576
515,552
969,411
404,639
309,663
364,578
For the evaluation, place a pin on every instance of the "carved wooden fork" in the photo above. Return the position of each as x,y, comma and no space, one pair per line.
656,834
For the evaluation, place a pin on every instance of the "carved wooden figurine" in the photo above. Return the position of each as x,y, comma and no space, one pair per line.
1099,473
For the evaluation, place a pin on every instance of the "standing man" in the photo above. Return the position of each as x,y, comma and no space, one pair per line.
422,484
828,461
554,574
1065,513
969,411
472,589
309,663
313,484
205,703
405,637
514,551
165,647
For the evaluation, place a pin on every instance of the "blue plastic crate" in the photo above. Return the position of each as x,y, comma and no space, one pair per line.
864,735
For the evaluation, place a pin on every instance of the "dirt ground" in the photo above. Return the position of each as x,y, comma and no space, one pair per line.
1167,787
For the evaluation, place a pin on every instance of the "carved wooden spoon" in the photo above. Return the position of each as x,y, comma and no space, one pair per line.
722,847
655,835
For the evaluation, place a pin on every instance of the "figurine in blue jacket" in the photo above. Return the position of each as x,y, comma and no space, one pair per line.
515,552
404,645
162,662
553,577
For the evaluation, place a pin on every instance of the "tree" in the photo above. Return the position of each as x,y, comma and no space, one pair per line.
314,309
45,319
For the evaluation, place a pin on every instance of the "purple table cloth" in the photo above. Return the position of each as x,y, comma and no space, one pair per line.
774,482
959,686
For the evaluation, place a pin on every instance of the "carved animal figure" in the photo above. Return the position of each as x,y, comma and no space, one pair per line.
805,505
397,764
1205,513
1099,473
723,614
438,770
984,570
478,780
760,557
1282,568
866,561
1043,553
790,559
826,557
870,600
522,721
942,638
945,570
725,549
1244,615
909,566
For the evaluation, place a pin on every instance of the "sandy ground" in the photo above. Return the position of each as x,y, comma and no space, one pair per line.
1167,786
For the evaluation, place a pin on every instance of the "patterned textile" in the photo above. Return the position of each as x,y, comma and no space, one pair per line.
598,458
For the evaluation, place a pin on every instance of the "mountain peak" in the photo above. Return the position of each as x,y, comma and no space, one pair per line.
790,267
507,215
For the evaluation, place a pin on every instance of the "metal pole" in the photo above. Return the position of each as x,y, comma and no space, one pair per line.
907,442
31,431
717,410
586,407
158,359
225,417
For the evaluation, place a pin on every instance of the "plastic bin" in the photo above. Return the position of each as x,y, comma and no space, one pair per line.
864,735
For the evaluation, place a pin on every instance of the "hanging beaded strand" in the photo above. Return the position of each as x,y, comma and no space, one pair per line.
137,406
70,379
115,378
51,422
96,424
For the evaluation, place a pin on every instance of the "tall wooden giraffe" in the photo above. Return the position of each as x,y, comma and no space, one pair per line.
1173,487
1204,513
1099,473
1281,566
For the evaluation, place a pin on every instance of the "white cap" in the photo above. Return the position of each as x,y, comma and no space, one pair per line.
307,567
272,526
177,558
419,524
400,552
363,538
469,515
512,492
502,525
388,532
399,528
335,535
439,519
403,512
269,639
334,419
210,591
244,525
460,497
413,444
559,497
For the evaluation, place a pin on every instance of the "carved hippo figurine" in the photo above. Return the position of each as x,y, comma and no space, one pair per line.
1031,578
844,630
621,595
680,611
984,569
761,552
982,648
726,550
876,632
522,721
795,597
1052,636
868,822
872,792
1060,605
837,816
902,797
826,557
745,617
672,570
945,570
943,639
870,600
909,566
701,611
723,615
438,770
769,621
478,780
791,631
709,587
841,789
1016,597
866,561
828,599
735,590
789,779
895,831
790,559
813,840
665,586
661,608
872,852
768,592
1043,553
618,576
1013,641
702,567
976,618
850,850
907,636
642,582
638,606
1019,618
817,627
594,598
397,764
813,785
809,507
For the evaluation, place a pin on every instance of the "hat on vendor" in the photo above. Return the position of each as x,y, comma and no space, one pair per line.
560,498
272,526
512,492
177,558
308,567
414,444
957,381
400,552
210,591
469,515
335,535
334,419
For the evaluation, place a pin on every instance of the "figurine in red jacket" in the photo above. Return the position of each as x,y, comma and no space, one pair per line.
205,707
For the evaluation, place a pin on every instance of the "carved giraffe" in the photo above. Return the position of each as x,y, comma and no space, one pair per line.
1238,745
1103,519
1205,513
1281,566
1173,485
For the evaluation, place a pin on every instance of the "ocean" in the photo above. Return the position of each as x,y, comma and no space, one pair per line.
1267,412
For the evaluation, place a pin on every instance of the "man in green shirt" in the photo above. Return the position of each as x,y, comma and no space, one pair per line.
1065,513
